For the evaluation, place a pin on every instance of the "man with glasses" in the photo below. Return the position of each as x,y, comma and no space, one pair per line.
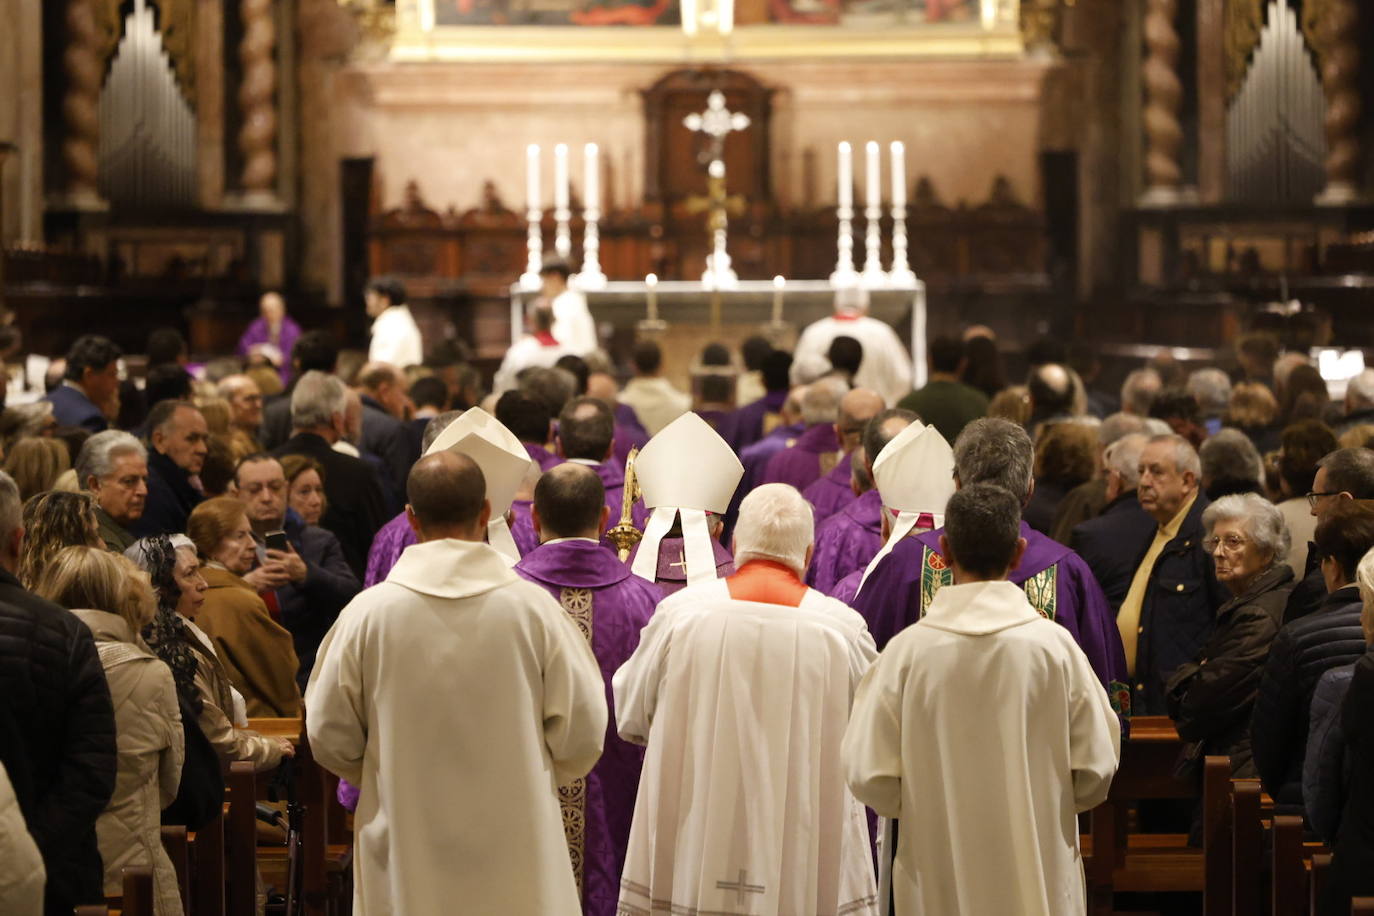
113,466
1343,475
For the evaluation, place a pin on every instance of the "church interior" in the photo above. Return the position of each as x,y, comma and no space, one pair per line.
1168,187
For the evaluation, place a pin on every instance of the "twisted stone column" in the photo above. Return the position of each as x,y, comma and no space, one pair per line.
1340,68
257,100
1163,96
83,67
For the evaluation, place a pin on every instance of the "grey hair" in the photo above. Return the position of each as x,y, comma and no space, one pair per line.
996,451
1119,425
1185,456
1264,523
775,523
99,453
317,398
1350,470
1157,427
821,402
1359,391
1139,390
11,506
1123,457
435,427
1211,388
1230,455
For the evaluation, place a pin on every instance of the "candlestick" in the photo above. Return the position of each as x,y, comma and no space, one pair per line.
846,178
873,213
591,275
651,281
778,285
901,274
652,326
562,215
898,173
534,214
844,274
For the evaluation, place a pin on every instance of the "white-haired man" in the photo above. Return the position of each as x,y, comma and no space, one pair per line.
113,466
741,687
886,367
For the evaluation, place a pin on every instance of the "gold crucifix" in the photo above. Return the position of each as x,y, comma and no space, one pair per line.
716,122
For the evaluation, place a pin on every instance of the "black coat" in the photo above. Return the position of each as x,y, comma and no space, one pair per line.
53,688
1352,868
1178,612
1113,543
1303,651
170,498
1211,698
309,609
1310,592
388,439
276,419
355,506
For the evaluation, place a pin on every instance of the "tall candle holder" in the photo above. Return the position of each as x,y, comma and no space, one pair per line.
534,215
844,274
901,274
562,215
651,324
591,275
873,275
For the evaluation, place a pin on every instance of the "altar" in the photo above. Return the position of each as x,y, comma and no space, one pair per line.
688,309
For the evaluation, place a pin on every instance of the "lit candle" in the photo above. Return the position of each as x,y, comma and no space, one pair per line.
651,281
560,177
532,177
898,174
778,284
593,177
846,177
871,175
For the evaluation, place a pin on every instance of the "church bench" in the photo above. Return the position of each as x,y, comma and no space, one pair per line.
137,899
241,841
207,868
1362,906
1217,830
1319,867
175,843
1288,873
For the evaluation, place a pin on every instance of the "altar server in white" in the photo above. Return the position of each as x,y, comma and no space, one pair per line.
395,335
886,365
741,688
537,348
573,326
458,697
983,729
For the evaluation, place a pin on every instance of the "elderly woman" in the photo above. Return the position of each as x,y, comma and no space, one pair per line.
53,521
257,652
112,597
1210,699
200,678
304,487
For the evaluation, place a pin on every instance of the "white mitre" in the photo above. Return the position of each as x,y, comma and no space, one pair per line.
685,471
914,473
503,460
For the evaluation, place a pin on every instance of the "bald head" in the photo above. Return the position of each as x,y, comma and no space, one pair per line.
448,498
1051,390
857,407
569,502
882,429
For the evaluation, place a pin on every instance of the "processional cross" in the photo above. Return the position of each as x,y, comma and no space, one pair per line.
716,122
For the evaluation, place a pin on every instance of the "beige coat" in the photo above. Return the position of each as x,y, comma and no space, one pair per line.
257,652
151,748
21,867
216,718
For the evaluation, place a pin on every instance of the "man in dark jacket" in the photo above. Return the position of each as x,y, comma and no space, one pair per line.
381,387
1113,543
179,440
356,508
1172,600
88,384
53,688
1343,475
1352,866
315,351
310,582
1306,649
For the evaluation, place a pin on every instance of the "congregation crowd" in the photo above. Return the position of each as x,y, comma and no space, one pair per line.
590,643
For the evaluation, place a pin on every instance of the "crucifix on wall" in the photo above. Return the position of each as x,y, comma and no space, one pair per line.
716,123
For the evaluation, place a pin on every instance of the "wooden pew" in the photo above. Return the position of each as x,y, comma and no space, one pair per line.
241,841
1247,847
178,849
1362,906
1216,836
207,869
1321,869
137,899
1288,876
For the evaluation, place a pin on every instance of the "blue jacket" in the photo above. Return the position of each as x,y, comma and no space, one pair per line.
309,609
71,407
170,498
1326,768
1352,864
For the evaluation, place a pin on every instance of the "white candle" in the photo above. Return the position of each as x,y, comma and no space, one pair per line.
532,177
898,174
846,177
871,175
560,176
778,284
651,281
593,177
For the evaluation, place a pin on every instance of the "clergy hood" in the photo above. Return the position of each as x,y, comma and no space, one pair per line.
686,470
914,473
503,460
449,568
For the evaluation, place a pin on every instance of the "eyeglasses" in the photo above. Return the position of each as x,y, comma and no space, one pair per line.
1312,497
1231,543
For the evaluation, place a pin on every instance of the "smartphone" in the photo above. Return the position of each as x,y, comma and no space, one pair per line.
276,540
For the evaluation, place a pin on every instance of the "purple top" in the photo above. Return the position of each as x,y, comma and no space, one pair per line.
672,571
258,333
847,541
522,526
744,427
621,605
541,456
392,538
755,458
800,465
1057,581
848,587
832,492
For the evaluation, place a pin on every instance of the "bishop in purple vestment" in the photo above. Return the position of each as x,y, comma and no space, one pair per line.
392,538
610,606
272,328
744,426
833,492
846,542
755,459
671,575
816,452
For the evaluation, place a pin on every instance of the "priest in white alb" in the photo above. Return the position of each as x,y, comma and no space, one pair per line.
984,730
886,367
458,698
573,326
741,689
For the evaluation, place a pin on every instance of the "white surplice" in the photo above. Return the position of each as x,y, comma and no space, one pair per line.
572,323
396,338
457,697
983,729
886,365
742,806
526,352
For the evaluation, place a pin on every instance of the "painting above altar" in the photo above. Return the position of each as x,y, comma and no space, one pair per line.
863,13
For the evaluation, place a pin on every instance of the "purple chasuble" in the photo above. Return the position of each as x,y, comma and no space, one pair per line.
258,332
800,465
522,526
847,541
541,456
610,606
1056,580
672,564
392,538
832,492
743,427
847,588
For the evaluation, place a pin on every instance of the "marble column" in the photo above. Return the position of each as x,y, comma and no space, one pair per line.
1163,98
1340,72
84,71
257,102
